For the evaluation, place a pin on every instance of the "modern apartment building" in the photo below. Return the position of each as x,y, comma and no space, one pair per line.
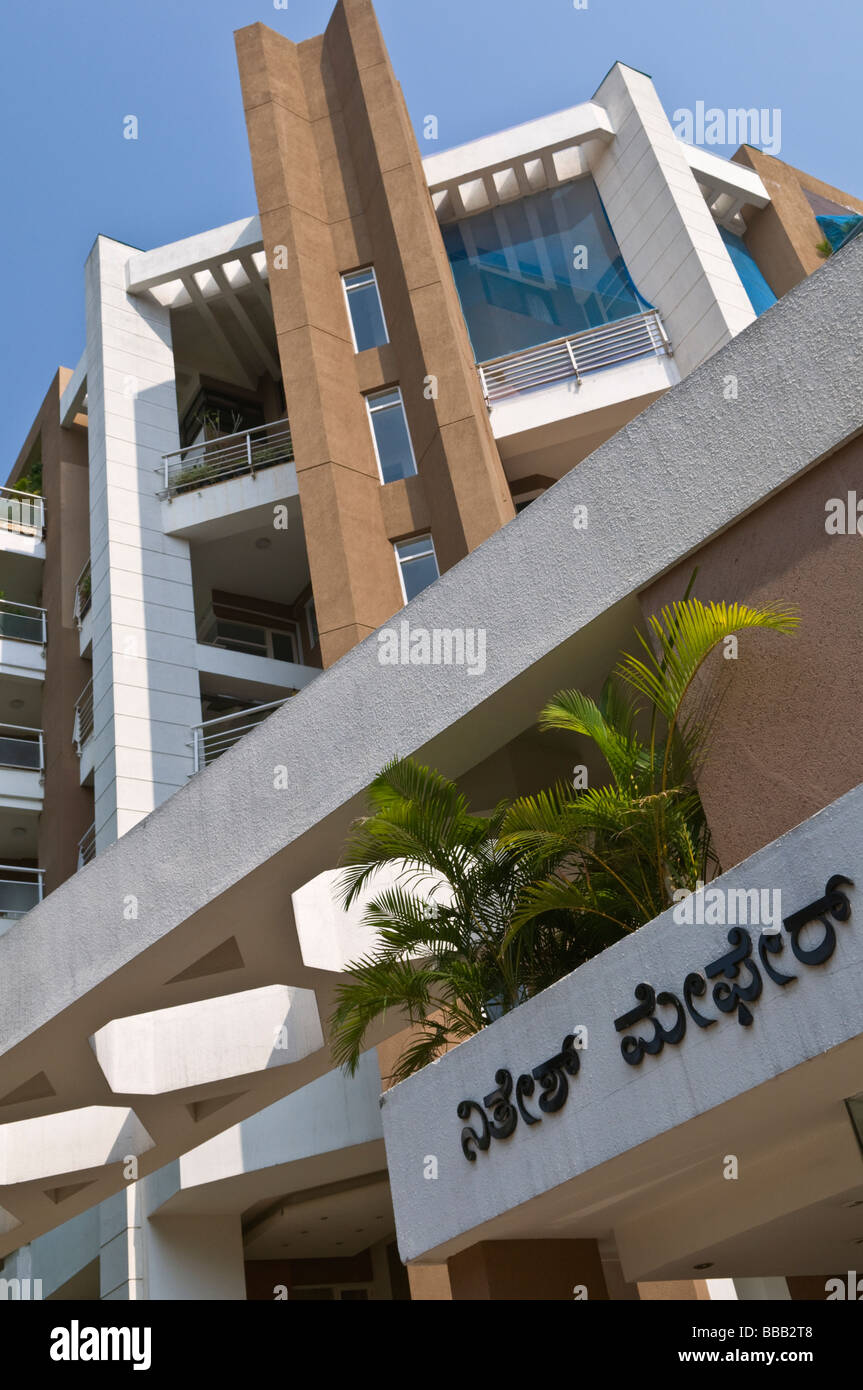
280,432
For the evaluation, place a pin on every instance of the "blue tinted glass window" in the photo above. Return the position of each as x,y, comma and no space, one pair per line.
760,294
364,306
392,439
837,229
541,268
418,565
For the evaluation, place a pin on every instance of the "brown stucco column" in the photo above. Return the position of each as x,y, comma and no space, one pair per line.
556,1270
340,185
68,807
784,236
780,750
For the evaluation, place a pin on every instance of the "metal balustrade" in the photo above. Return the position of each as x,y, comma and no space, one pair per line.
83,595
21,512
230,456
23,622
83,726
21,747
87,846
215,736
573,357
20,893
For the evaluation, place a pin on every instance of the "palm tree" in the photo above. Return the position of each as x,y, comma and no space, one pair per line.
621,850
522,896
440,961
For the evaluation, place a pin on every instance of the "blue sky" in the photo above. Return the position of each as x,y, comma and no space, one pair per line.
70,72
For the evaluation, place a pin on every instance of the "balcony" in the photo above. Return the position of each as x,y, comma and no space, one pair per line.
20,890
22,766
570,359
87,847
219,460
83,607
22,523
83,595
214,737
82,730
23,635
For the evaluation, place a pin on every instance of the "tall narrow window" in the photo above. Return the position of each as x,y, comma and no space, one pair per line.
365,310
390,432
417,565
312,622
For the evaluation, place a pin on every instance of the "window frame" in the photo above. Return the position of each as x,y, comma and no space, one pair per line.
370,411
412,540
314,633
345,276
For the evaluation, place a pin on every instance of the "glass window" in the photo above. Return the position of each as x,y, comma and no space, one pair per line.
284,648
312,622
759,292
417,565
365,310
392,439
540,268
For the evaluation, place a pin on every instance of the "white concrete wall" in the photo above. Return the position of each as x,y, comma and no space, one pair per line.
195,1257
122,1276
665,231
21,789
145,678
25,659
615,1109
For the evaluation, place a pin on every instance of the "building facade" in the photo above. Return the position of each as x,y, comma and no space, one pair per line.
280,433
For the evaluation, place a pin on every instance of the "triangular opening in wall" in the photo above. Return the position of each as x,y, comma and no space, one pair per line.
202,1109
216,962
37,1088
59,1194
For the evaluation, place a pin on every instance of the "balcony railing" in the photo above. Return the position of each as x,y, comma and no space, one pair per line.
230,456
21,747
21,892
83,727
87,847
23,622
21,512
83,595
571,358
215,736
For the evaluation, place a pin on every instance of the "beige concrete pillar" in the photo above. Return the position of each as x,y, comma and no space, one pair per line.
533,1270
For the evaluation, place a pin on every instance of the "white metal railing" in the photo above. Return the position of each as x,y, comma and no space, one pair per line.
575,356
215,736
23,622
87,846
83,595
23,512
18,895
22,747
216,460
83,727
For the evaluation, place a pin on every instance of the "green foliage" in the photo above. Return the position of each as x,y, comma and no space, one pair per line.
32,480
487,911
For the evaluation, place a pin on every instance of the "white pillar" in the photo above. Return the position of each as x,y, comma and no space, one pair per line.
145,679
195,1258
771,1289
663,226
122,1272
